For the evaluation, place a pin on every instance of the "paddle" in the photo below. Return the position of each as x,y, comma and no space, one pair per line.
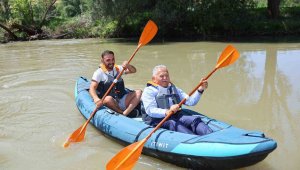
127,157
148,33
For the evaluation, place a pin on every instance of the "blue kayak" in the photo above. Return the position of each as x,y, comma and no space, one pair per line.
228,147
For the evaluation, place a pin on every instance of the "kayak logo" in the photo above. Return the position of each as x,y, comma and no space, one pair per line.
159,144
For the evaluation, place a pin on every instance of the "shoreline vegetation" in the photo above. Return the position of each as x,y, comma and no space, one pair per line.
24,20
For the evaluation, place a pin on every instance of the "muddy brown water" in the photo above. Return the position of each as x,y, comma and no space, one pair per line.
37,109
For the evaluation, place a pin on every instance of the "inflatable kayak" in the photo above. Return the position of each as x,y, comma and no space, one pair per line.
227,147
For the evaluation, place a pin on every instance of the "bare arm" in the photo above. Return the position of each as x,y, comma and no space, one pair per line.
93,92
128,68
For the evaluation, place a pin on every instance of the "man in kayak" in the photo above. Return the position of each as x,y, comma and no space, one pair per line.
119,99
161,95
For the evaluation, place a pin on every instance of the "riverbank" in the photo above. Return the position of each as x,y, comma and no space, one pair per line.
254,24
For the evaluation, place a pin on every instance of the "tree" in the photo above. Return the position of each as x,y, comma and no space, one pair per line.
273,8
26,18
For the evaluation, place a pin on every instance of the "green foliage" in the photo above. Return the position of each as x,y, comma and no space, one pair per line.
2,37
72,8
56,22
126,18
290,3
291,12
4,10
176,18
130,15
171,15
284,3
218,16
76,27
104,28
261,3
289,23
25,12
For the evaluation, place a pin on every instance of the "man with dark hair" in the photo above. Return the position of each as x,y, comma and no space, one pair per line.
119,99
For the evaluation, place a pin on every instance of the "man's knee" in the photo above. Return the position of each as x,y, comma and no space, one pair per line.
135,95
170,124
138,92
203,129
108,100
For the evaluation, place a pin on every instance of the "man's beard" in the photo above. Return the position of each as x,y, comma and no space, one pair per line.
110,66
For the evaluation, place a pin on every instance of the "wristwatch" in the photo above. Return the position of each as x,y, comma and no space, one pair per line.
200,91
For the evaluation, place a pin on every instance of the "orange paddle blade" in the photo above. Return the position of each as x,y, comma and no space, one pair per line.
76,136
228,56
127,157
149,32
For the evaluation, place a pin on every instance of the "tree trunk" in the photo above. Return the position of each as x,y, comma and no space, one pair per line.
46,13
25,29
273,8
9,32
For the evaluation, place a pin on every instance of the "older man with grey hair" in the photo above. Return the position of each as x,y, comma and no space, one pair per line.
161,95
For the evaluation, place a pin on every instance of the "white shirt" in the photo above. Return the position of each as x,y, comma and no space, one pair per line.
150,105
100,75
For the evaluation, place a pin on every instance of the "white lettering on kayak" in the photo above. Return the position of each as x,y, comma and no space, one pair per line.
159,144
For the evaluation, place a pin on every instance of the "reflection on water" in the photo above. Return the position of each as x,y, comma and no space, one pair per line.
37,109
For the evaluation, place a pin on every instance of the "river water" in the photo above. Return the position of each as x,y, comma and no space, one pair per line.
260,91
